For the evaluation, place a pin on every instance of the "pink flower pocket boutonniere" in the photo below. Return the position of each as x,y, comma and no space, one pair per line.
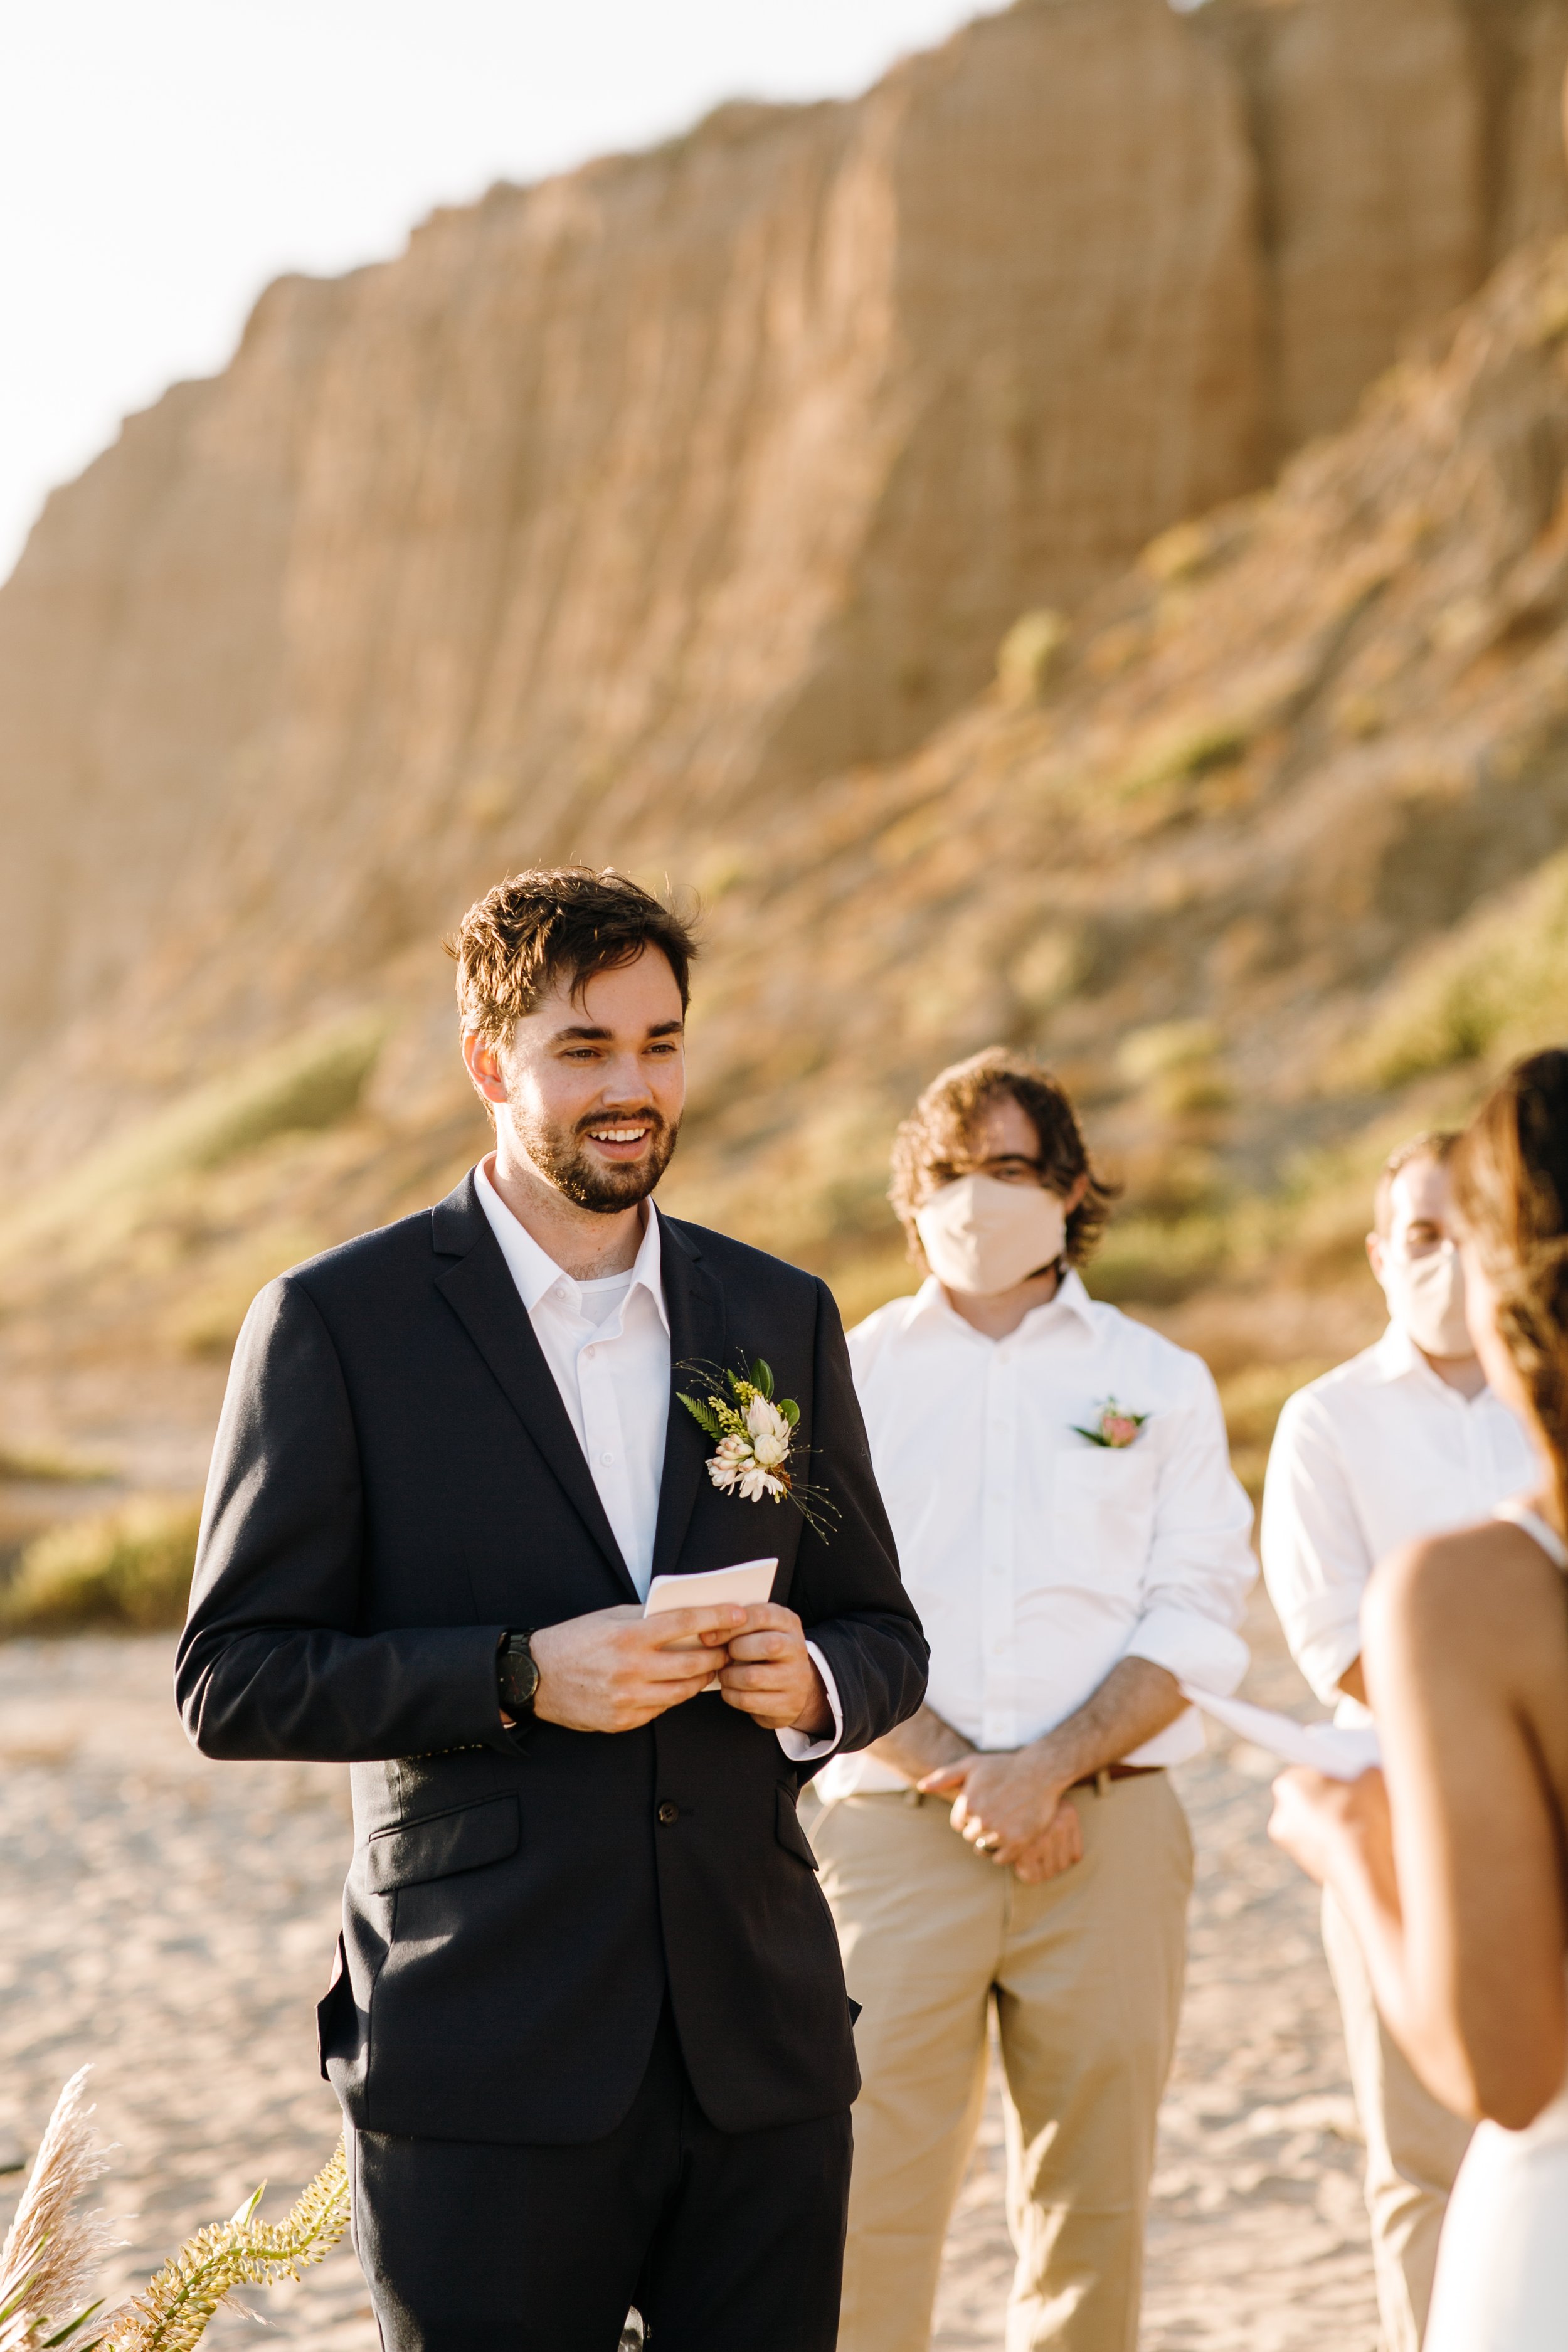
1115,1427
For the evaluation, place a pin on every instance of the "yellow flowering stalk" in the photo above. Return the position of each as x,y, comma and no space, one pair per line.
51,2253
174,2311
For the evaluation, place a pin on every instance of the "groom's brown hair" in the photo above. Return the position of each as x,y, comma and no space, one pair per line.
554,923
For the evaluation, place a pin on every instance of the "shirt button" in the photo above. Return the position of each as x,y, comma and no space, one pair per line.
668,1812
606,1459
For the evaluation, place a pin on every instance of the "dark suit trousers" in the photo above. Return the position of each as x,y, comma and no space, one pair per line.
724,2241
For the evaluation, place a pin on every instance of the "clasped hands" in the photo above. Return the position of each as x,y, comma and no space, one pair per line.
1014,1808
617,1669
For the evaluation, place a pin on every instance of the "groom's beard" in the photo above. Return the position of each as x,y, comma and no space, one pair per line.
563,1155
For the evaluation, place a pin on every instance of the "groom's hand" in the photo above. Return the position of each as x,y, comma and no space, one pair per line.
618,1669
772,1676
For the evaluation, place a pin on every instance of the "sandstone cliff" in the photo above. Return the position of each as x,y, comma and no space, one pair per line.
701,473
661,512
692,472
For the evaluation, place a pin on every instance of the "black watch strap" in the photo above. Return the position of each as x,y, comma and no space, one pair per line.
517,1675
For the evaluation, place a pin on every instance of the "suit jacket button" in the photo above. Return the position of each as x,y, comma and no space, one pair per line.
668,1812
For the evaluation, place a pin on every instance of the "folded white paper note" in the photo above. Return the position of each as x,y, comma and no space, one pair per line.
1342,1750
710,1588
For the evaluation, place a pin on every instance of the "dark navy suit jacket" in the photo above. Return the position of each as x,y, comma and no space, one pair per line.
396,1482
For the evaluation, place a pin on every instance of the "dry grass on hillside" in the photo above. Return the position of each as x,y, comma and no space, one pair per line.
1263,850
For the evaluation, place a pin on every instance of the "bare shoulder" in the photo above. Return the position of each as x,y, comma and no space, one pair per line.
1477,1595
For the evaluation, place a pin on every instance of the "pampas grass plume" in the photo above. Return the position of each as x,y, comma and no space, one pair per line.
52,2253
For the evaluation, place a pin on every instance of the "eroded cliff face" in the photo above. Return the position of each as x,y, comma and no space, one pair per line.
690,478
714,467
662,513
692,474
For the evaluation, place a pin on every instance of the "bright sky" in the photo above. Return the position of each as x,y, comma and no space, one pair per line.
161,160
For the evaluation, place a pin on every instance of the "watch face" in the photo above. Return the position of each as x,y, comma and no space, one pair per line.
520,1671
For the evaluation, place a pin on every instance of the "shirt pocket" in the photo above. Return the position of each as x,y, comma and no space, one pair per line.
1105,1516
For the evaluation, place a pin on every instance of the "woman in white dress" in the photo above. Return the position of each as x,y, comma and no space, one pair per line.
1453,1867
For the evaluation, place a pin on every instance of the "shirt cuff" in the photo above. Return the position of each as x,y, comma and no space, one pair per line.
795,1745
1191,1647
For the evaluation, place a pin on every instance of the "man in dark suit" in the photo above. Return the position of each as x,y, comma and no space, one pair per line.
589,2026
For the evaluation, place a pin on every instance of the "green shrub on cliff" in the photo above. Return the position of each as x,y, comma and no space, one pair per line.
308,1082
1496,987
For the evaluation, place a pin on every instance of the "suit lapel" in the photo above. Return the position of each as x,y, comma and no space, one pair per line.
695,1305
479,1288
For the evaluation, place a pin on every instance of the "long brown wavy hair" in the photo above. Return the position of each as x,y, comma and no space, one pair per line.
1510,1174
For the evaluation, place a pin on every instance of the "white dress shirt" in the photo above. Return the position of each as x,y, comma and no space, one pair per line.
1036,1559
607,1343
1373,1454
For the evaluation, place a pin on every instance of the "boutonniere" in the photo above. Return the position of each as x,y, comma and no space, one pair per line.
1116,1426
754,1435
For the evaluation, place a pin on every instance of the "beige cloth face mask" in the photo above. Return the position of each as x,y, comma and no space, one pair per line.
1426,1298
982,1236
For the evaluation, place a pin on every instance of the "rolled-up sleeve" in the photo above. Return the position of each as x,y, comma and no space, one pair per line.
1200,1565
1316,1561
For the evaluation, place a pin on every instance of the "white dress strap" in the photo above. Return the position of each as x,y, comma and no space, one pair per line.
1531,1522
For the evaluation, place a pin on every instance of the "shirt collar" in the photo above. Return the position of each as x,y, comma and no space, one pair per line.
1073,1302
1398,1358
535,1272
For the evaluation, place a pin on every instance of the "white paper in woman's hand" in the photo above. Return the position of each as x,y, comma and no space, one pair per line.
1342,1751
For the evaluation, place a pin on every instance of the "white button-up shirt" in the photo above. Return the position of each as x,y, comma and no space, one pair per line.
1369,1457
1038,1559
613,1375
607,1343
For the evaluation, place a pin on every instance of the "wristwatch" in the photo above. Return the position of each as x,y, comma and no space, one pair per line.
517,1677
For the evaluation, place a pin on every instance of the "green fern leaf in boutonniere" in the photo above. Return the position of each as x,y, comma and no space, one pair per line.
1115,1428
753,1432
704,1414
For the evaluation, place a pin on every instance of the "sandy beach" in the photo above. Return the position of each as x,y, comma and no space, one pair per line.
172,1922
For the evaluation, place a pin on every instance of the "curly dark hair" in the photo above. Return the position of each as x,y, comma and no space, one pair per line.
1510,1172
554,922
944,1117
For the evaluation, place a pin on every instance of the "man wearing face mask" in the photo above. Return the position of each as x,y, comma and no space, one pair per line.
1073,1539
1404,1440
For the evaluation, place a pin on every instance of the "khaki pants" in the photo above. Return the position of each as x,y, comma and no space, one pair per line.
1413,2146
1087,1975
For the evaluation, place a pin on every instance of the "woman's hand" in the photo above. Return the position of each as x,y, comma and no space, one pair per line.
1320,1822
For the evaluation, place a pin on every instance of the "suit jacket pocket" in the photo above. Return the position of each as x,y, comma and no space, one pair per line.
790,1832
441,1844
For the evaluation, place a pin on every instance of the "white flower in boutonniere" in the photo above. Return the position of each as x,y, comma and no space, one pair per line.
1116,1426
754,1435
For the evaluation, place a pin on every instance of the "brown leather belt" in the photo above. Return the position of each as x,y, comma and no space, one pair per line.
1117,1772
